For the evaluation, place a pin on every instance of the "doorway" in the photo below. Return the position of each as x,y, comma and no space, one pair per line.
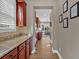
43,34
44,25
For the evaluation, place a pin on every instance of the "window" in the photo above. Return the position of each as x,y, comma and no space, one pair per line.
7,15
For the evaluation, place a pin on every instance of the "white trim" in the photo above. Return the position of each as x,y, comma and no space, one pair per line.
56,51
33,51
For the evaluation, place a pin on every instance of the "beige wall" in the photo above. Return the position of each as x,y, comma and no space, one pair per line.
54,28
66,39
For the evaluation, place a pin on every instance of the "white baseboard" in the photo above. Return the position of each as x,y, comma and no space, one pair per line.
56,51
33,51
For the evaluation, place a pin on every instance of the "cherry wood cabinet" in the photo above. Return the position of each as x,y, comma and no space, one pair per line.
6,57
21,13
22,46
12,55
30,45
27,49
22,54
23,51
20,0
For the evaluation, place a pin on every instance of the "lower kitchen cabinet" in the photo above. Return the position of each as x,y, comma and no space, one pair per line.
12,55
27,49
30,46
22,54
6,57
23,51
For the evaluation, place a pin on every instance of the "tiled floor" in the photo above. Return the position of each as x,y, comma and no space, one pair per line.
44,50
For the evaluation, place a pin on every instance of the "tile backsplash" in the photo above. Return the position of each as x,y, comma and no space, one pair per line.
19,31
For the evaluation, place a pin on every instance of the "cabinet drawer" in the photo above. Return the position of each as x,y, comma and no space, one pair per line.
13,53
22,46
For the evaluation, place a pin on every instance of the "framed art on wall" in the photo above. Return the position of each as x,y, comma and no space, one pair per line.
65,6
61,18
65,22
74,11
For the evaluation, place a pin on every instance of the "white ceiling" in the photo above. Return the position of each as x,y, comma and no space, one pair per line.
43,2
43,14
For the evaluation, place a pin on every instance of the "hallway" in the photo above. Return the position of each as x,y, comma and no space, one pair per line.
23,23
44,50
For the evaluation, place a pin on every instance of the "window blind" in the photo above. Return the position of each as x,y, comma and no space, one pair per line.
7,14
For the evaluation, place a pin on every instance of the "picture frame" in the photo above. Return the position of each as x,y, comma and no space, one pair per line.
61,18
74,10
65,6
65,22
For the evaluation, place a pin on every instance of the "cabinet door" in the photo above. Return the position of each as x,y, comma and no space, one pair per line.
30,46
27,50
24,14
11,55
22,54
21,14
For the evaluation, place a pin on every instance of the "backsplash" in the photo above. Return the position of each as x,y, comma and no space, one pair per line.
8,35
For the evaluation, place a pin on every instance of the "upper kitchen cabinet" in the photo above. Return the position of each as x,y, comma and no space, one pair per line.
7,15
21,13
20,0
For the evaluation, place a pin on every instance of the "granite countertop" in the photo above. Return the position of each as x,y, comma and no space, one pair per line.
8,45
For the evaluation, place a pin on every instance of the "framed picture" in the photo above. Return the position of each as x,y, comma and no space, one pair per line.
65,22
61,18
74,11
65,6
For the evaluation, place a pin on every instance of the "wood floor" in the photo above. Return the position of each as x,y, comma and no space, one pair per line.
44,50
